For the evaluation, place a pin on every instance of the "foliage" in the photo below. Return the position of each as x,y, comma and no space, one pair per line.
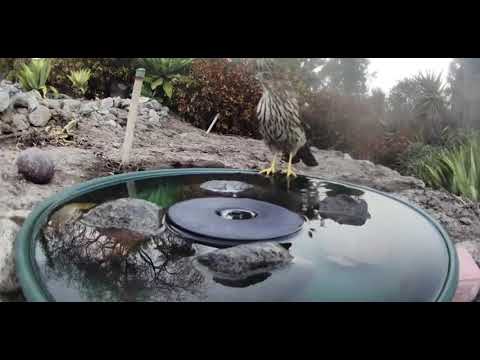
412,161
430,105
9,67
162,74
457,170
34,76
163,195
220,86
80,78
104,73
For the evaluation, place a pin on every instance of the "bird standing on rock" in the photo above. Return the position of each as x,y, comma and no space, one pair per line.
279,117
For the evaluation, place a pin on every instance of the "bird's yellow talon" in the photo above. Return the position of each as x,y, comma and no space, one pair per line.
270,170
289,172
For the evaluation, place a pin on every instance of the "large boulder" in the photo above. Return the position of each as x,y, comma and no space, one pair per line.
8,233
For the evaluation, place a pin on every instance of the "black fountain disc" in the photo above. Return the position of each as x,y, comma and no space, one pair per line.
222,221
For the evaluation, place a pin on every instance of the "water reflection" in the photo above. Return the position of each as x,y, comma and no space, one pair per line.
343,253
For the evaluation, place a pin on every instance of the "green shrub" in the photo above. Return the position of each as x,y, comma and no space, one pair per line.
34,76
162,74
104,71
455,169
219,86
80,78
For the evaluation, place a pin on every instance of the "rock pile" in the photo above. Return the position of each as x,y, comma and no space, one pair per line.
21,110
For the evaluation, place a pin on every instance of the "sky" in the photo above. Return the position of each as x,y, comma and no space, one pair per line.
391,70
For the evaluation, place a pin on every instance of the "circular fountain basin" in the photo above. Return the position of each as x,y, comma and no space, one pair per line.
334,242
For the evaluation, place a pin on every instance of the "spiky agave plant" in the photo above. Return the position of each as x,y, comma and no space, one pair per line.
34,76
80,78
430,104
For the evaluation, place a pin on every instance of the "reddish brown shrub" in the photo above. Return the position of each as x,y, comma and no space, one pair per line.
220,87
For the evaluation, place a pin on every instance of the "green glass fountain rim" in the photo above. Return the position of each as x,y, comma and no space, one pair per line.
28,273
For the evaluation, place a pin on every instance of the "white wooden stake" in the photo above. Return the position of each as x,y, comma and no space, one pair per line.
132,116
213,123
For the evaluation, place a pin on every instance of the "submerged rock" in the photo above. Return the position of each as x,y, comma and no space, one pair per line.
36,166
344,209
111,231
244,261
130,214
8,279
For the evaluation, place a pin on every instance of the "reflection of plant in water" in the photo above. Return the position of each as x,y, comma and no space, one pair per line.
163,195
149,273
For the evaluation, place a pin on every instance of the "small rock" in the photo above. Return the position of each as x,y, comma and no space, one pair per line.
40,116
36,166
154,105
465,221
4,100
119,113
153,116
5,128
116,101
71,105
124,103
87,108
52,103
8,278
62,115
20,122
107,103
244,260
22,111
164,111
347,157
35,94
24,100
111,123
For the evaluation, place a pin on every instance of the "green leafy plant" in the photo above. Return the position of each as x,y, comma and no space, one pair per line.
457,169
163,195
34,76
162,74
80,78
104,73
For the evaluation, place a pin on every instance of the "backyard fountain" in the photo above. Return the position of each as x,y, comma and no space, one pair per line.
231,235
